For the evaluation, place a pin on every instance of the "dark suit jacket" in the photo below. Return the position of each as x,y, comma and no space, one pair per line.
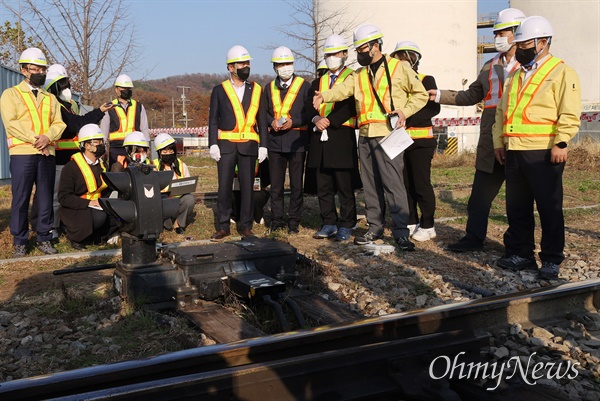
340,150
422,118
222,117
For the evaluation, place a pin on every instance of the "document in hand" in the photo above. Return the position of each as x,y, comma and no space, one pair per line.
396,142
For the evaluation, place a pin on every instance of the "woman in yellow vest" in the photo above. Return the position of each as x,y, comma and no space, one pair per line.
80,187
168,160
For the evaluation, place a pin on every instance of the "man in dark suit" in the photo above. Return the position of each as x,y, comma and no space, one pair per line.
333,151
236,135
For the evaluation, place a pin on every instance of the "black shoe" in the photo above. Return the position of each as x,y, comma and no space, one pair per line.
19,251
549,271
180,230
515,262
46,247
405,244
293,230
78,246
465,245
276,226
368,238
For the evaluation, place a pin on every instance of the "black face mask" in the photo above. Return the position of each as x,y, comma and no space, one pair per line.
525,56
100,150
364,59
243,73
168,159
126,94
37,79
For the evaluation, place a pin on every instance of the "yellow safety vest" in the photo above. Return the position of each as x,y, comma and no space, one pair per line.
494,94
326,108
420,132
516,122
370,112
127,121
245,129
283,109
40,116
93,190
68,144
156,163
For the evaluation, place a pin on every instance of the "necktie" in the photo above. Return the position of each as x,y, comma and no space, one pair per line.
332,79
284,86
35,91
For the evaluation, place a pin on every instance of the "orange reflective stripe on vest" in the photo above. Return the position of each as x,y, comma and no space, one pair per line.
516,122
326,108
93,190
370,112
283,109
126,121
40,116
244,123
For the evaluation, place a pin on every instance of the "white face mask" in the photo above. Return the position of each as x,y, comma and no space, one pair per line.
139,157
285,72
65,95
501,44
334,63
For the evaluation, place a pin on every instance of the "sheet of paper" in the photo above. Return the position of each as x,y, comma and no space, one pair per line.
396,142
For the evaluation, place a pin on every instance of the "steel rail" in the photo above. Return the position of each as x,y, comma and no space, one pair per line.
182,372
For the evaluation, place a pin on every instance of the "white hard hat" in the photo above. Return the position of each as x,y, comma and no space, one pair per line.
322,65
334,43
88,132
56,72
366,33
532,28
33,55
407,45
163,140
282,55
136,138
237,54
124,81
508,18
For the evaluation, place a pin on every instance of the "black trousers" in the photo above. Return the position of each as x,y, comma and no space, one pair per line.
260,200
226,170
483,192
419,191
530,177
329,182
278,164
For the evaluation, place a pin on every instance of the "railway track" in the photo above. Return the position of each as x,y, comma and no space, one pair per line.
386,358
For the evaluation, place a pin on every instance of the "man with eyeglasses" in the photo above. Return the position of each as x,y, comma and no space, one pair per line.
386,93
489,174
539,113
32,120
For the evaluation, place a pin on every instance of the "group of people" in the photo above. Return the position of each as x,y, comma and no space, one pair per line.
532,106
61,153
259,136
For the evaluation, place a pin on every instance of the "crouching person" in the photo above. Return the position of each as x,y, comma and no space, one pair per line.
168,160
80,187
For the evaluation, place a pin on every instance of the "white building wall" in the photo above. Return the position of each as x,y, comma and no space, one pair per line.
446,32
576,39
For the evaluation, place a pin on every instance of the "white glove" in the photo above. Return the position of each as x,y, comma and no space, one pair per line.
262,154
324,136
215,153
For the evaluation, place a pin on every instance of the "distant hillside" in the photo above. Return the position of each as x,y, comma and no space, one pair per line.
159,95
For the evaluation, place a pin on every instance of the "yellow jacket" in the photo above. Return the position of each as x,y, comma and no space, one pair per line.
558,98
407,90
17,120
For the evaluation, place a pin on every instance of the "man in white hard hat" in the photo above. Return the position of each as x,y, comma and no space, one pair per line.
489,174
285,99
237,135
379,112
32,121
137,150
418,156
332,151
126,115
57,83
539,113
80,187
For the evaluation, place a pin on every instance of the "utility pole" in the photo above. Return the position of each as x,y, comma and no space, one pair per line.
173,110
183,101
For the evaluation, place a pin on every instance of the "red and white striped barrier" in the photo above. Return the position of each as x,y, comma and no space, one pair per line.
465,121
